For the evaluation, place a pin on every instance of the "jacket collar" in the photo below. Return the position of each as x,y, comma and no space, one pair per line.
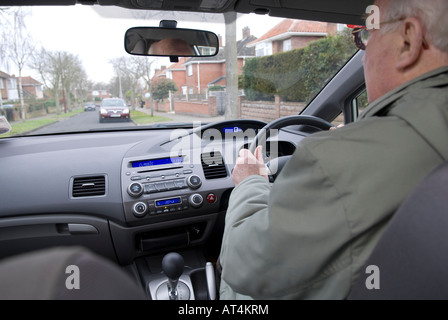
430,79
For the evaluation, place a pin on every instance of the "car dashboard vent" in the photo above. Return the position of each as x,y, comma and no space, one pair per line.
89,186
213,165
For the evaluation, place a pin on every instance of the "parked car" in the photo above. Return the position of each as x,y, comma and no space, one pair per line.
89,106
113,109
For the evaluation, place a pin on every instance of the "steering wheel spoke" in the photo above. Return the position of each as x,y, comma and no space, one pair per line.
276,165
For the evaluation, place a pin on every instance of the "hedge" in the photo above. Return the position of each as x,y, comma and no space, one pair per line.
297,75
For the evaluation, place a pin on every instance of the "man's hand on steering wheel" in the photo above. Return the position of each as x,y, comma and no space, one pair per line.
251,162
248,165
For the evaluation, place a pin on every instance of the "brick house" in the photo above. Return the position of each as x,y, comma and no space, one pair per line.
8,87
196,75
99,95
291,34
175,72
32,87
204,73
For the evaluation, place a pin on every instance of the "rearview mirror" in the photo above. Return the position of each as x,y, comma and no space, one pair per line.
171,42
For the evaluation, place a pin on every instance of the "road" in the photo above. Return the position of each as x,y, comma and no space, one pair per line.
88,120
85,121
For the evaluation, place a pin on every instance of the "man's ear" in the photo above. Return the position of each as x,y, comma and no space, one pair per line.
411,38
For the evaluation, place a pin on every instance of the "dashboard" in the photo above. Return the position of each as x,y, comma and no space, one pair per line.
122,194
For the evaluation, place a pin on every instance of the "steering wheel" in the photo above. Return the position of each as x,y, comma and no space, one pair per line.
276,165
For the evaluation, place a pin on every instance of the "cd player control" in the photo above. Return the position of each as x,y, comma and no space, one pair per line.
196,200
194,182
139,209
135,190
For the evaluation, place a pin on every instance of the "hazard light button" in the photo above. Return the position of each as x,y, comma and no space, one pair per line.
211,198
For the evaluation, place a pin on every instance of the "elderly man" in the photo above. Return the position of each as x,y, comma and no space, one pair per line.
308,235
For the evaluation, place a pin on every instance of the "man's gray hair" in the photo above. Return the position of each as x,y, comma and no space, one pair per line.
432,13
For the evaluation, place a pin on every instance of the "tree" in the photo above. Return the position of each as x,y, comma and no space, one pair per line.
129,72
160,89
62,73
17,45
146,67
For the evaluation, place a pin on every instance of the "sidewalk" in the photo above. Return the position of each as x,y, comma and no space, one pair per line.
182,117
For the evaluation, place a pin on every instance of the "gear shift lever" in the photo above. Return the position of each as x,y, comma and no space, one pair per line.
173,267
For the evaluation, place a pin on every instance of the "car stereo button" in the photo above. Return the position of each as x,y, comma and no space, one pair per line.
194,182
139,209
135,190
170,185
180,184
150,188
196,200
161,186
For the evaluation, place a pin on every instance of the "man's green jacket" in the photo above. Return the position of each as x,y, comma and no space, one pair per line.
308,235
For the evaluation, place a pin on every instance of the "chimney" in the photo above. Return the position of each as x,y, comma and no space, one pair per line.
246,32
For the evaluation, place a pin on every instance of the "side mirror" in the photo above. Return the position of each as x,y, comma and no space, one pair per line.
171,42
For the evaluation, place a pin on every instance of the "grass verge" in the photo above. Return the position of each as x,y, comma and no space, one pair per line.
142,118
20,128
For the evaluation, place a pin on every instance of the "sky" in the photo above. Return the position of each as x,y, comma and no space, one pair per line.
97,41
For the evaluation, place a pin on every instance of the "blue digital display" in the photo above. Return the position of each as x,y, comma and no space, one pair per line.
232,130
167,202
157,162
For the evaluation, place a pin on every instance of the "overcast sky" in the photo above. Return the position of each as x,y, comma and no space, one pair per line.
97,40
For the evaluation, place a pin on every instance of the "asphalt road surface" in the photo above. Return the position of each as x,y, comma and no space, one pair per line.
86,121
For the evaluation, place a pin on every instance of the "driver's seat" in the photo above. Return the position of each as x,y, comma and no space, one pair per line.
412,255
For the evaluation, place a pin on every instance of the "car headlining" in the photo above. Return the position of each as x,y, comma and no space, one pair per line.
151,187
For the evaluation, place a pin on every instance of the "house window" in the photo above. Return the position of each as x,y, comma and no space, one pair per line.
11,84
259,50
1,84
287,45
207,51
190,91
169,75
263,49
184,90
190,70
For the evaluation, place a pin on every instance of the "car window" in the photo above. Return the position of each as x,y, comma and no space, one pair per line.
113,103
64,63
360,103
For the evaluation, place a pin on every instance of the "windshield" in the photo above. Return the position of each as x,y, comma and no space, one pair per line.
66,64
113,103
